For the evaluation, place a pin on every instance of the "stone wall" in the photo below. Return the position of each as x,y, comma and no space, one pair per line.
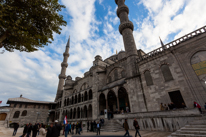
160,120
31,117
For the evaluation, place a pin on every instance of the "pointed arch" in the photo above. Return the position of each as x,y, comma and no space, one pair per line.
166,72
79,98
16,114
90,111
85,96
102,103
90,94
123,99
24,113
112,101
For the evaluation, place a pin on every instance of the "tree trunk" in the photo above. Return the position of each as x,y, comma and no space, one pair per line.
2,38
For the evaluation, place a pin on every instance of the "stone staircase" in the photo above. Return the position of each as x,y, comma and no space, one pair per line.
193,129
112,126
1,123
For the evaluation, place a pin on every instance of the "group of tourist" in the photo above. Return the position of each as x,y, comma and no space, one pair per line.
36,129
69,128
170,106
94,126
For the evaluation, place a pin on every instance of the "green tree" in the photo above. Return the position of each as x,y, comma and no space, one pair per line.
27,25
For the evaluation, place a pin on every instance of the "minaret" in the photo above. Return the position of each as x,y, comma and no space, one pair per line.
126,28
62,76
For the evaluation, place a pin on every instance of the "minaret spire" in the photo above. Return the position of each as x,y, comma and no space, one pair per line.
126,28
162,44
62,75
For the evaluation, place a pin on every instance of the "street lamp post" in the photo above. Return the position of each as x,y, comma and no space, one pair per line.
38,113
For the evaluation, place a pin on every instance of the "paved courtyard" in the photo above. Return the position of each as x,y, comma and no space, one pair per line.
7,132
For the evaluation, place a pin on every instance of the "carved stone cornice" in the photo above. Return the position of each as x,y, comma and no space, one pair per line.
122,8
125,25
64,64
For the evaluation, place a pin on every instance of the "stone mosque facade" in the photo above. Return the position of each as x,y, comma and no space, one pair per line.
138,82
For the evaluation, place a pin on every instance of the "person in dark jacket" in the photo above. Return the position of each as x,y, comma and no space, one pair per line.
87,126
98,128
126,127
16,126
55,131
29,130
26,129
34,130
136,126
73,128
94,126
77,126
49,130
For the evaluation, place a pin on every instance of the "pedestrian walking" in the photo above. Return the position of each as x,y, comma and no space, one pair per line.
66,129
198,106
42,131
98,128
63,128
94,126
77,128
34,130
73,128
136,126
126,127
16,126
49,130
87,126
26,129
29,130
55,130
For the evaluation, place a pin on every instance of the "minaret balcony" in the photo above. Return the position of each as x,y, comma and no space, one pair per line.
66,54
62,76
64,64
121,9
125,25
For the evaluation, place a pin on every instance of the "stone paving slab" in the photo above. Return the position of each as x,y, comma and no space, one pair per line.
7,132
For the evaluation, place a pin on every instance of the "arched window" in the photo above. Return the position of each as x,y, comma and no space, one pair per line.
68,102
82,97
20,105
115,74
24,113
79,98
148,78
65,102
16,114
85,96
72,100
90,94
166,72
75,99
123,74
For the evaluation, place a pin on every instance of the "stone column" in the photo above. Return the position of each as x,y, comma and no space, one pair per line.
118,102
107,104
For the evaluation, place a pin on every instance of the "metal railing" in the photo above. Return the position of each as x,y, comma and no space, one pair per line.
173,43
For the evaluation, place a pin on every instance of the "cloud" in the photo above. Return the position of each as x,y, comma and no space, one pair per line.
168,19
